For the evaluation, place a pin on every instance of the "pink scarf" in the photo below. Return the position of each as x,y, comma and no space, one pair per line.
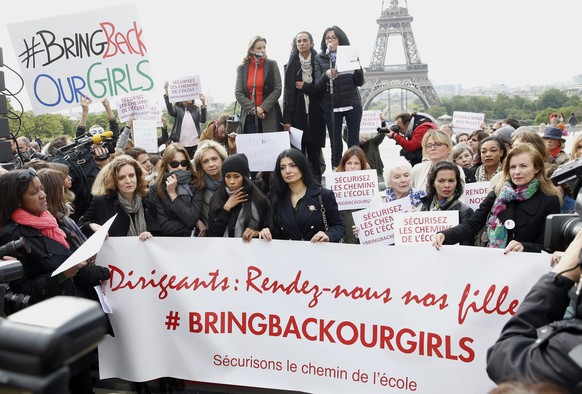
46,223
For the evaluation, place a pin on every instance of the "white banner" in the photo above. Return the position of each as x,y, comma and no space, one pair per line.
353,189
99,54
320,318
262,149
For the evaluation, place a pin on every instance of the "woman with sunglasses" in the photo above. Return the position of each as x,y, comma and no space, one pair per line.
121,188
177,194
24,215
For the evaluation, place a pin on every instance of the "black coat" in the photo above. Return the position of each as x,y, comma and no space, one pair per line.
104,207
465,212
529,217
535,344
177,218
177,112
294,112
345,85
303,224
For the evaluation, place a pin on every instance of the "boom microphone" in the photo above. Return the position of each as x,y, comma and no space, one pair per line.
98,138
329,48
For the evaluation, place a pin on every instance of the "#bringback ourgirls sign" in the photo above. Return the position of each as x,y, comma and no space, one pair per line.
99,54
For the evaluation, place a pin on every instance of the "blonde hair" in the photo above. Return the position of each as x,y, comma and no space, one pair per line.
440,137
106,181
574,153
204,146
539,163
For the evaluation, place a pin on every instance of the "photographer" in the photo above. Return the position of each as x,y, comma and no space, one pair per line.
536,344
412,127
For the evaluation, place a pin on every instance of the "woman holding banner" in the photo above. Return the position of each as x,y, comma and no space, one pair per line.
444,187
354,159
301,209
238,209
512,216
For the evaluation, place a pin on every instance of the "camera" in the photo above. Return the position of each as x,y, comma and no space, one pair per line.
394,128
14,248
562,228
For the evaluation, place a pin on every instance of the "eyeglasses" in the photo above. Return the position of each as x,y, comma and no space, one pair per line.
175,163
26,175
435,145
330,38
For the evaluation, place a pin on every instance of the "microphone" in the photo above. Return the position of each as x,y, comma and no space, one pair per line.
258,55
329,48
96,139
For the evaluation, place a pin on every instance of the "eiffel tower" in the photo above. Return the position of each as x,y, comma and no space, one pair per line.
412,76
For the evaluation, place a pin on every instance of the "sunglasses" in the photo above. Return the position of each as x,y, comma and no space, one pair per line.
183,163
26,175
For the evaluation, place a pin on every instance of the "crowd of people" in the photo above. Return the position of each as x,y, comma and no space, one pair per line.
199,186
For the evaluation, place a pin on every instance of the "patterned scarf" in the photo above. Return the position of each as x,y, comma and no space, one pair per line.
481,175
415,196
441,204
306,69
135,211
45,223
496,231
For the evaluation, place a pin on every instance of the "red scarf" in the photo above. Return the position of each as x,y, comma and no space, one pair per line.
260,80
556,151
46,223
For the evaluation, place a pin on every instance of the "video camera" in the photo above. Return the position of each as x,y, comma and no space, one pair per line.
11,302
562,228
38,343
86,141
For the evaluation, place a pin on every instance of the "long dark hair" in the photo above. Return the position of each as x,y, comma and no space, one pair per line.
443,165
280,188
339,33
255,197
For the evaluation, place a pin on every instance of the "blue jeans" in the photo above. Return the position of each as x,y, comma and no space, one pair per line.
353,118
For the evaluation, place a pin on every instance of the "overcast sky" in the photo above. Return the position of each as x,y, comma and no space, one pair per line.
471,43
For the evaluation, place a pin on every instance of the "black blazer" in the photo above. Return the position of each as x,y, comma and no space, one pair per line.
303,224
104,207
529,217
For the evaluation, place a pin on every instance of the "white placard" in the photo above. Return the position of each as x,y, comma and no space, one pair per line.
414,228
347,58
476,192
107,57
145,135
353,189
262,149
184,89
295,136
88,249
467,121
376,224
370,121
136,106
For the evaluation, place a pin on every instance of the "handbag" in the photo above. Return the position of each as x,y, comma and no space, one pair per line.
233,123
324,217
